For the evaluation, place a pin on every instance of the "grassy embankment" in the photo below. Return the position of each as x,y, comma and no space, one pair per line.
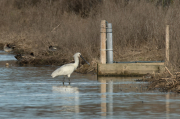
74,26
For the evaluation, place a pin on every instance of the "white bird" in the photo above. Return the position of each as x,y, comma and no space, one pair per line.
68,69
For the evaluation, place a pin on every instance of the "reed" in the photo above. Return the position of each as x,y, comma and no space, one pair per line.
74,26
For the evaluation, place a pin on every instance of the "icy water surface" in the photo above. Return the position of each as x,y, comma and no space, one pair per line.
30,92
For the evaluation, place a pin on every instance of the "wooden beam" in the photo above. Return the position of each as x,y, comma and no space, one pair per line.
129,69
103,42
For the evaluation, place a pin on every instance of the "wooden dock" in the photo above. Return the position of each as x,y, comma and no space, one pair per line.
138,68
129,69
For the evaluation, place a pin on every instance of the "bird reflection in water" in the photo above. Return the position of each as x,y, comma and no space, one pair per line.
69,97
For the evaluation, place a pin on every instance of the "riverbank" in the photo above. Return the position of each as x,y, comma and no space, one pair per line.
166,82
24,56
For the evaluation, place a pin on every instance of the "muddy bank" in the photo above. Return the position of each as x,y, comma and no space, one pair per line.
25,57
49,60
166,82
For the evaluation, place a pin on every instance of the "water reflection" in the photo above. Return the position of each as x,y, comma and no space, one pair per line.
103,97
110,97
167,106
69,96
107,89
6,56
104,109
151,104
30,92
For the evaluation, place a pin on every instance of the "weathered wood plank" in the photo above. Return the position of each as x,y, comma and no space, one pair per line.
103,42
127,69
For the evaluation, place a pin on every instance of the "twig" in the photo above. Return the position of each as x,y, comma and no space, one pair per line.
167,81
175,80
165,78
55,27
169,71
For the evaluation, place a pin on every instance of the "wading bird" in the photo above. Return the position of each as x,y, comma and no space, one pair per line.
8,48
52,48
68,69
25,58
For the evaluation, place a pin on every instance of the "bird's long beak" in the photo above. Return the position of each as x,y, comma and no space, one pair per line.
84,59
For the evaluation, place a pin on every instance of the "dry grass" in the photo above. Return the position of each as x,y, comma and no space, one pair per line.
74,26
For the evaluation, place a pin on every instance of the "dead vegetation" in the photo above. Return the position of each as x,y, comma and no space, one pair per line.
166,82
74,26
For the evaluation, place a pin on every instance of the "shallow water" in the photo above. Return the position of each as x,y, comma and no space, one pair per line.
30,92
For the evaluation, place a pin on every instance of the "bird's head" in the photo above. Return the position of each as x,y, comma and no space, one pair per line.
77,54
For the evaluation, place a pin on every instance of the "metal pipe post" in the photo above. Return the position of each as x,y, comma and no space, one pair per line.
109,50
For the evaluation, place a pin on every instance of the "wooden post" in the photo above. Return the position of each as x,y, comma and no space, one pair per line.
167,44
103,42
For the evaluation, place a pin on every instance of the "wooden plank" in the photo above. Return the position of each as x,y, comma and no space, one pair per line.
103,42
127,69
131,64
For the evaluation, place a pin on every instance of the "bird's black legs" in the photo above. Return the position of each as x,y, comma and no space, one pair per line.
69,81
63,80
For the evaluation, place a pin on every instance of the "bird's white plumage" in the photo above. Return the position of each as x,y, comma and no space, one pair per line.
67,69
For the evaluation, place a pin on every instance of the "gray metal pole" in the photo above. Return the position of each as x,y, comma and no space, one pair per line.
110,98
109,50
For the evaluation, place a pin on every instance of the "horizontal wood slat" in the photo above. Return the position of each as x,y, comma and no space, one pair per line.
128,69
